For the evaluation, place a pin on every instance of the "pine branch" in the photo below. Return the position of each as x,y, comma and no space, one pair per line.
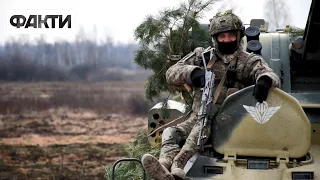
168,34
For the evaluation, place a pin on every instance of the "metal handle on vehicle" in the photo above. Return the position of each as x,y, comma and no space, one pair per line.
126,159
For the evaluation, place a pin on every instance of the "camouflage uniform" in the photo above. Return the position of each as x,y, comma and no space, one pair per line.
248,69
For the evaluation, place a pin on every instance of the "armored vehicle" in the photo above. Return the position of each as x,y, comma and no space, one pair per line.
276,140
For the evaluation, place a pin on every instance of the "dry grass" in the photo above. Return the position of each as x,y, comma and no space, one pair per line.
107,97
67,130
73,161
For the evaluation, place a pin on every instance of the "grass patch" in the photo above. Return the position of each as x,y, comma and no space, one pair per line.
133,170
73,161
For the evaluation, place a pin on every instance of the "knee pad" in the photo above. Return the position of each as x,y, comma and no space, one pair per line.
171,135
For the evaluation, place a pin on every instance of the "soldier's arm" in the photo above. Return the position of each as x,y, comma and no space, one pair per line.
255,67
180,73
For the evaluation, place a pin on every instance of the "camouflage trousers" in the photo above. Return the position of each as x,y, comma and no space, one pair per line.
169,151
189,132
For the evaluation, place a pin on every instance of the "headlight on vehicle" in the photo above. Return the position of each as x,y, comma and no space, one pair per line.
302,175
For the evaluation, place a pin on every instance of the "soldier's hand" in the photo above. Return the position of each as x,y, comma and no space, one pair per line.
198,78
261,89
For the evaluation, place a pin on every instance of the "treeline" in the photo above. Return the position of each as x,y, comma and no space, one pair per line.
84,59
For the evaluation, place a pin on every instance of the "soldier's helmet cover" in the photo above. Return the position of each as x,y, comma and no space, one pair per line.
226,21
223,22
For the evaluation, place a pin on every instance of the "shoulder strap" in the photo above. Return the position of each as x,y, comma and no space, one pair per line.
211,63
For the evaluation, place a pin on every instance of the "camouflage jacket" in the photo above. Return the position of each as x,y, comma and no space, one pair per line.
249,68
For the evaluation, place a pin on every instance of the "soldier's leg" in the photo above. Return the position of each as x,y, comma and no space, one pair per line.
190,146
187,151
159,169
171,145
155,169
172,139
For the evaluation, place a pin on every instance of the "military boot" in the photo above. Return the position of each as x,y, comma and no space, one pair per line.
156,170
178,164
165,162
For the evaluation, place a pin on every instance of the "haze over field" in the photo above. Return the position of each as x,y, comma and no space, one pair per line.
103,47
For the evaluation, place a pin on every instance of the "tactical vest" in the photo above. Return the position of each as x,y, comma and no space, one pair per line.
220,68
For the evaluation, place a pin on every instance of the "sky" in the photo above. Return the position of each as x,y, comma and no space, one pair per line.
118,18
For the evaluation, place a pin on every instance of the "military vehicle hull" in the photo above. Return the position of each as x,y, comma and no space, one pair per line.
240,171
283,147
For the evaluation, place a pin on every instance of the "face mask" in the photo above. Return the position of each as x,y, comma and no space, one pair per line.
227,47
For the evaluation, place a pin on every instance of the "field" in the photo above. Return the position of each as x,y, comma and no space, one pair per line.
67,130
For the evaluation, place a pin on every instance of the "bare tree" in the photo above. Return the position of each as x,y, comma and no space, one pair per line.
80,40
42,56
277,13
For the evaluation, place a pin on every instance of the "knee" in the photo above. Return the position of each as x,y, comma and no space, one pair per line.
171,135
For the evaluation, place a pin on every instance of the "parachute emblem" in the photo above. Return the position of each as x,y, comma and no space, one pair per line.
261,112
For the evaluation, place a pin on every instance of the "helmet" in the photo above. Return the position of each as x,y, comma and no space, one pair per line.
225,21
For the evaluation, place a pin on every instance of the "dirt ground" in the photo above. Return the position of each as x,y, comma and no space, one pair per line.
64,141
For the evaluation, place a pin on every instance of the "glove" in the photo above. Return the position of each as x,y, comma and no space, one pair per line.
198,78
261,89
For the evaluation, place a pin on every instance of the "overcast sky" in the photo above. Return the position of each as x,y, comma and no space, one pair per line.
119,18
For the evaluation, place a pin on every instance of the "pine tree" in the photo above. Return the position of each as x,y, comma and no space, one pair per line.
175,32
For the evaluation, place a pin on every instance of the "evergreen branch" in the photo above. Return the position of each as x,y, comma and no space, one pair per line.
168,34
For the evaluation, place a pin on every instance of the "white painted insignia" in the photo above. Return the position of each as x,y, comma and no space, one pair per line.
261,112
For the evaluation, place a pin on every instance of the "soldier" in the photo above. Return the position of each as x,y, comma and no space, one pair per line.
234,69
